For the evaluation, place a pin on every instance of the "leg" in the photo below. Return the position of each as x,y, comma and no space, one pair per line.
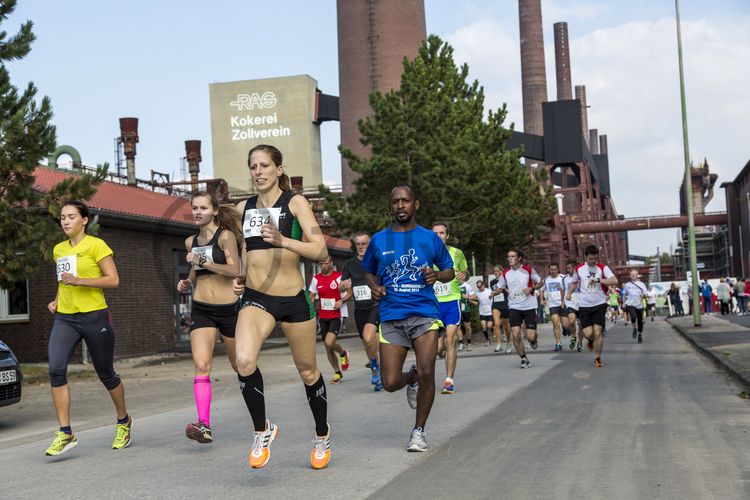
231,348
639,319
598,340
254,325
425,347
202,342
330,343
496,325
450,348
370,340
517,341
392,359
63,340
556,327
99,336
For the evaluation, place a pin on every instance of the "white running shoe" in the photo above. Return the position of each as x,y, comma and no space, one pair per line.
418,440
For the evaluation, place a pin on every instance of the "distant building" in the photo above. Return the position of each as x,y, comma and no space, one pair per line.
738,210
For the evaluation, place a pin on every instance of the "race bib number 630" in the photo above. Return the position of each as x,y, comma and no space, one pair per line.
67,264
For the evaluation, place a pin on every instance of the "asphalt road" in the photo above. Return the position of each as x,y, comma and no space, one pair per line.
656,422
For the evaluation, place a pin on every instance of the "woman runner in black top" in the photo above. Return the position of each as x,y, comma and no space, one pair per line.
273,223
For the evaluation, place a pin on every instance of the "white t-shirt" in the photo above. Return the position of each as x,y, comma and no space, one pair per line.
573,301
634,291
554,287
485,302
516,280
651,296
592,292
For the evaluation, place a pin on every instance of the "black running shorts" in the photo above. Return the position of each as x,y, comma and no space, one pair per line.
591,316
329,325
294,309
527,316
365,316
223,317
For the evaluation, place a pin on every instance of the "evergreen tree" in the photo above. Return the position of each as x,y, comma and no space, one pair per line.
29,226
432,133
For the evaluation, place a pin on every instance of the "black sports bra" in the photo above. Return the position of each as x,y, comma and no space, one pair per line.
279,214
211,250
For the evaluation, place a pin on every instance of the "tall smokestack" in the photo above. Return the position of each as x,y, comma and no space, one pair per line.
193,156
594,141
562,62
581,95
533,76
603,144
374,37
129,138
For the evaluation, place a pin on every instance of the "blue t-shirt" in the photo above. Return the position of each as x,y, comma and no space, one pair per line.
397,259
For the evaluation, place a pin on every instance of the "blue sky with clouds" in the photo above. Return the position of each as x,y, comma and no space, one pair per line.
102,60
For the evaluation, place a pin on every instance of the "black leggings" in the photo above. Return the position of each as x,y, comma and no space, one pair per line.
95,328
636,316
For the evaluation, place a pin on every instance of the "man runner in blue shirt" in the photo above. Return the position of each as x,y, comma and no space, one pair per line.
399,265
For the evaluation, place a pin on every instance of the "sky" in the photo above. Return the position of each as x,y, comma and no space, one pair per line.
99,61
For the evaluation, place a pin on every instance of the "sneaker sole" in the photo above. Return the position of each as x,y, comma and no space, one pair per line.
416,449
197,435
274,435
67,447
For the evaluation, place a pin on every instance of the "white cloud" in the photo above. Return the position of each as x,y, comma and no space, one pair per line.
631,77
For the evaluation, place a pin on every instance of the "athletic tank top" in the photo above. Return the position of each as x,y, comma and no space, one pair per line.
211,250
279,215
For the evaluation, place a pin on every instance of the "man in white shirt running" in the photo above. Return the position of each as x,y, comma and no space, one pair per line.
553,295
634,291
592,280
521,281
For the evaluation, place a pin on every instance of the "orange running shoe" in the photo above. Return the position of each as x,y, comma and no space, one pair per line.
344,360
598,362
260,453
321,452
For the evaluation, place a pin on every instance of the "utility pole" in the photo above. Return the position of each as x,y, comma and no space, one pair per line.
688,180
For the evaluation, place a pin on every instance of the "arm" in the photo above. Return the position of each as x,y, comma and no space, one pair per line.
109,278
612,280
378,290
314,248
52,306
228,243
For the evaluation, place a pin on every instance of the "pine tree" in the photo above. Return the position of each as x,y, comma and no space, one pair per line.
432,133
29,225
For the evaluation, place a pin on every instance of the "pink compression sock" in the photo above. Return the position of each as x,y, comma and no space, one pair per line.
202,391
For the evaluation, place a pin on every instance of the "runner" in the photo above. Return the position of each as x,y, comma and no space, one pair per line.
325,285
399,264
592,279
484,297
365,308
85,268
500,312
214,256
553,295
448,296
273,224
651,297
614,304
570,320
521,281
468,297
634,291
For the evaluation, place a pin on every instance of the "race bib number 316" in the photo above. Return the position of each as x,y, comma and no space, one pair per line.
362,292
256,217
67,264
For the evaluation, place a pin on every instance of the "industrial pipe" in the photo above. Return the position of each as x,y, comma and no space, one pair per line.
641,223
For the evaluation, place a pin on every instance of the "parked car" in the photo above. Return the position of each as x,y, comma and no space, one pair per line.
10,376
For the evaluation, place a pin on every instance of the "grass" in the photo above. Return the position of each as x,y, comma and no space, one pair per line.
36,373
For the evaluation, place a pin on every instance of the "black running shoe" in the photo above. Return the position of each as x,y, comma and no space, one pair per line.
635,333
640,338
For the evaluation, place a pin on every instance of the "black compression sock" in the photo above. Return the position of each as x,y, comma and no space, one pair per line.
486,336
317,399
252,392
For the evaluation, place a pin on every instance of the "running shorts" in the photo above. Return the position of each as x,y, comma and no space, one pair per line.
591,316
650,306
571,310
615,307
329,325
294,309
402,332
503,308
527,316
466,316
223,317
365,316
483,317
450,312
556,310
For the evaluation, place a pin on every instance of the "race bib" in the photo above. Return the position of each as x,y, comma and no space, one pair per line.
518,294
207,250
328,304
442,289
592,286
499,298
67,264
362,292
256,217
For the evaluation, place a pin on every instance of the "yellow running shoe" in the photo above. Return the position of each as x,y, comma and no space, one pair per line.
336,378
321,452
260,453
122,435
62,443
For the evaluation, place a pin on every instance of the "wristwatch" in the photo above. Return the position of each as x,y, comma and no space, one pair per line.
202,260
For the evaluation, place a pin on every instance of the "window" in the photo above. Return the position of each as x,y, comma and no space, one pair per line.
14,302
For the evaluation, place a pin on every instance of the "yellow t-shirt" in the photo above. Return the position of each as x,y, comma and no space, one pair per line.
81,261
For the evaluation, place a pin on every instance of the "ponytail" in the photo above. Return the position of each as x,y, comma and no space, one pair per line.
226,218
284,183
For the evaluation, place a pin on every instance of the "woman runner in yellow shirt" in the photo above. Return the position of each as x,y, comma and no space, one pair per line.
84,268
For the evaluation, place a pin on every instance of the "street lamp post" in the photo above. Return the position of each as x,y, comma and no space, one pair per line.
688,180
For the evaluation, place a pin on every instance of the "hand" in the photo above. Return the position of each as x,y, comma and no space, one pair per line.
271,234
528,291
462,276
429,275
238,285
192,258
346,284
52,306
69,279
337,305
183,286
378,292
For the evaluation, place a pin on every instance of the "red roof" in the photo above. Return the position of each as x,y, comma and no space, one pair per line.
123,199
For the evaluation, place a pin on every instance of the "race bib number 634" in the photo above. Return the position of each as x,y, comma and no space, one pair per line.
256,217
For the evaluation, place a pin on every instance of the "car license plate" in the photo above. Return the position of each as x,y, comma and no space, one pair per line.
7,377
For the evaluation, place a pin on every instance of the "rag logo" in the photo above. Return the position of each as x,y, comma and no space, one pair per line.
256,100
